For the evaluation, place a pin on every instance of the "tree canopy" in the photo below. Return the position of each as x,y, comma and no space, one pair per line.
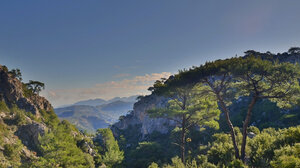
233,78
35,86
188,106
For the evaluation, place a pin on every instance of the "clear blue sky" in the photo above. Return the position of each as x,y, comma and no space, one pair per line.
77,46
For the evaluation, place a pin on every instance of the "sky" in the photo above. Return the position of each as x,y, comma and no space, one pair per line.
106,48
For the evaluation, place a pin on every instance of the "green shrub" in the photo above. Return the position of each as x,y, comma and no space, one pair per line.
153,165
145,154
176,163
287,157
237,164
27,92
49,118
19,115
19,118
111,155
3,107
202,161
222,151
12,153
262,147
8,150
58,149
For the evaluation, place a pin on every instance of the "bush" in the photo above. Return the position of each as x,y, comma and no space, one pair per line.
145,154
58,148
153,165
8,150
237,164
261,147
27,92
49,118
3,107
176,163
110,153
222,151
287,157
19,117
12,152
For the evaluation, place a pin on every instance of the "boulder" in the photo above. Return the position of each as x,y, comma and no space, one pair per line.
29,134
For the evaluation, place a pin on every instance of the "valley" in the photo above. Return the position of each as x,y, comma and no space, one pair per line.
90,115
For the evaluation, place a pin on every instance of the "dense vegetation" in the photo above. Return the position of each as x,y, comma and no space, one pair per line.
259,126
59,145
238,112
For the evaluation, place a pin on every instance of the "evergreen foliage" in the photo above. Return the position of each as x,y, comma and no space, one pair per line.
188,107
257,94
35,86
233,78
58,149
16,73
109,150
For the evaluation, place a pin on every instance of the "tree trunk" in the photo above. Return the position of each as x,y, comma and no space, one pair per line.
232,132
245,126
183,139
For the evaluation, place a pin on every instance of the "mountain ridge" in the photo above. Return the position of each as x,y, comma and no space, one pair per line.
145,125
91,117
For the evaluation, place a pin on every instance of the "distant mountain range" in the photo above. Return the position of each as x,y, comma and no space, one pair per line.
98,102
96,113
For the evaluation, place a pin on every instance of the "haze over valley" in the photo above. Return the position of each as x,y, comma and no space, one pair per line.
149,84
90,115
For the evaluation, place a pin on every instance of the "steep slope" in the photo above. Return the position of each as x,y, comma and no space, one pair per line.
141,121
18,115
144,125
11,92
24,118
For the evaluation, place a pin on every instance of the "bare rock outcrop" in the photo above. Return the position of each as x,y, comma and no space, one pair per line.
11,91
140,117
29,134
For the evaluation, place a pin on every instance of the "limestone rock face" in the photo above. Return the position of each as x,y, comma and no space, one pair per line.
139,117
29,134
11,91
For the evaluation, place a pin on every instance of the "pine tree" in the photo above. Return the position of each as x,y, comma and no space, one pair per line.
188,107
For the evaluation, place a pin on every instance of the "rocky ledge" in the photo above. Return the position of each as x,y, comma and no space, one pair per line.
11,91
139,117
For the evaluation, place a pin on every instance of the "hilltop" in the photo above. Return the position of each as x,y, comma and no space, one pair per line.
207,146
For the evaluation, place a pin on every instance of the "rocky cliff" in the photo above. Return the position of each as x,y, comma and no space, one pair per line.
139,118
11,91
147,125
21,121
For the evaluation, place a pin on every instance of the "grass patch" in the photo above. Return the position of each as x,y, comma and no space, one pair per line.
3,107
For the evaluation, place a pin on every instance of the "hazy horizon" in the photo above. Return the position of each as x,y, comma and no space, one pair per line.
90,49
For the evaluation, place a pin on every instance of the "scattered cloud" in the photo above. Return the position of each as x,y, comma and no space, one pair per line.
125,87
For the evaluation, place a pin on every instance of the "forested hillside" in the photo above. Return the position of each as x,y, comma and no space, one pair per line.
31,135
237,112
